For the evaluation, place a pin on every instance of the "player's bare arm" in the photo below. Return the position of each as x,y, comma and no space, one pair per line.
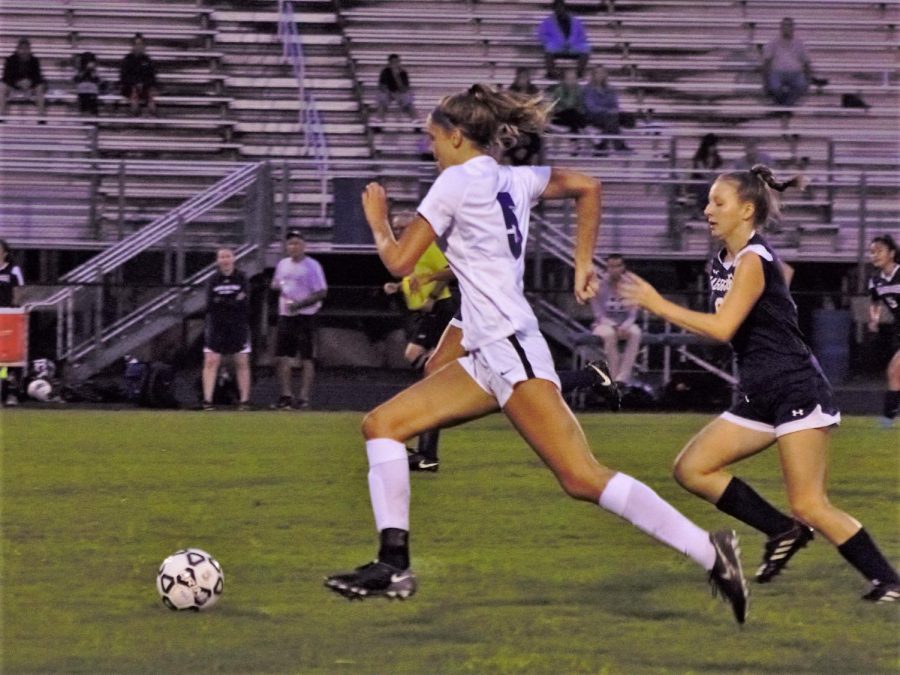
749,283
588,195
398,255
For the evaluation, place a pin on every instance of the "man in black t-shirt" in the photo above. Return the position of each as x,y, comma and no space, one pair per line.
22,73
393,85
137,75
227,330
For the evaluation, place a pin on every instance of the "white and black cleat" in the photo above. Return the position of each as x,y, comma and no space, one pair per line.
780,549
727,576
603,384
883,592
374,579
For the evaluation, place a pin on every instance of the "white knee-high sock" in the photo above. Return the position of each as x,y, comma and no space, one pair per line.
388,483
646,510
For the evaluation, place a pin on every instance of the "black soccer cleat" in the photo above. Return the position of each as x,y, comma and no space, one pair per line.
419,462
883,592
284,403
373,579
781,548
603,384
727,577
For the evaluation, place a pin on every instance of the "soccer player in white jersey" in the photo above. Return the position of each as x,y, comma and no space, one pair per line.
479,211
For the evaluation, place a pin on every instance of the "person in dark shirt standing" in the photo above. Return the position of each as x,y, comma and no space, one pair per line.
22,73
884,287
11,283
393,85
227,330
138,77
11,279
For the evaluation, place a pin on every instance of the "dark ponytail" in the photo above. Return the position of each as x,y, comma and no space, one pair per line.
759,186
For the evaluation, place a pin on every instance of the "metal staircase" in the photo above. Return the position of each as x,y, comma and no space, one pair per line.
548,239
92,328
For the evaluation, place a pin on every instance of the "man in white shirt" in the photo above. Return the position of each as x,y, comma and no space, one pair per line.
301,283
614,322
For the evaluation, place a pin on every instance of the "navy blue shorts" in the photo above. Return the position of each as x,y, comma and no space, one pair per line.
788,407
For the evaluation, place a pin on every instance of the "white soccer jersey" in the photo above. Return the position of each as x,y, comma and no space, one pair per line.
480,212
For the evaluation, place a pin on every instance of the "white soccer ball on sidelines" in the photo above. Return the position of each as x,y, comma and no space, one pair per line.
190,579
40,390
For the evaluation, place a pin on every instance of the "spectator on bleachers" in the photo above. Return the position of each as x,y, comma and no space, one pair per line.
527,149
601,104
787,69
563,36
752,156
22,75
137,76
393,85
616,322
88,84
705,163
569,109
523,84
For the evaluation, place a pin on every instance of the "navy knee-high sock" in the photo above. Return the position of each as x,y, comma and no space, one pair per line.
743,502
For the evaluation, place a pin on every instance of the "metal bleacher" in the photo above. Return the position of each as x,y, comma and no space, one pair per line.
229,96
683,70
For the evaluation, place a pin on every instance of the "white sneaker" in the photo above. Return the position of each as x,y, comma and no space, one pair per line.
12,400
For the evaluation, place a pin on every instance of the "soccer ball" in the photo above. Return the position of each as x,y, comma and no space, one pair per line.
190,579
40,390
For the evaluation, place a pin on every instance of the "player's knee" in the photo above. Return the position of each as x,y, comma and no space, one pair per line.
686,472
808,508
582,488
377,424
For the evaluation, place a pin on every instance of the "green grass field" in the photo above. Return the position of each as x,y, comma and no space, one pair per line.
514,576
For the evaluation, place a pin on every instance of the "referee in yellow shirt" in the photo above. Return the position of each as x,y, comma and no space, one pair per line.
428,297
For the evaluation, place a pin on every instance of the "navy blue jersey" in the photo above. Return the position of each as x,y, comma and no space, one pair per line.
768,345
886,288
227,302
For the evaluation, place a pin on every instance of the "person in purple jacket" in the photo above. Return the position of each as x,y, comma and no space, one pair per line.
563,36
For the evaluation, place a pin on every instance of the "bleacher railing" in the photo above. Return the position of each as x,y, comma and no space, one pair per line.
315,144
99,319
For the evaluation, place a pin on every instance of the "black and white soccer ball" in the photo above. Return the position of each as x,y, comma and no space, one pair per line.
190,579
40,390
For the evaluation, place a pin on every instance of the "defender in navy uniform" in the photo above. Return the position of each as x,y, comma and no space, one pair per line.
227,330
784,396
884,287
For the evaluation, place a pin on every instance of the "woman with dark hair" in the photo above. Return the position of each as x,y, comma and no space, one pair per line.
705,161
479,211
785,398
884,287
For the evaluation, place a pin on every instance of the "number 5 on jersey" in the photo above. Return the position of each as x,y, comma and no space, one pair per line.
513,234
